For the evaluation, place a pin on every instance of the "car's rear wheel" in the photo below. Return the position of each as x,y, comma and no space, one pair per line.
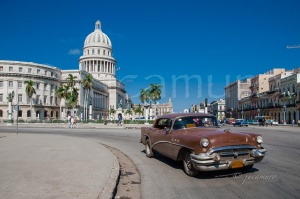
188,166
149,152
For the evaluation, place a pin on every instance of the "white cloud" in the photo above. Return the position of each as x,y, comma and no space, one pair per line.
74,51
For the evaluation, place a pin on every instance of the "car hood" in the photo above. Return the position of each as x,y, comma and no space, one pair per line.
224,137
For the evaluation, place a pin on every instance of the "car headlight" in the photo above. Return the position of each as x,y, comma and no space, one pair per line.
204,142
259,139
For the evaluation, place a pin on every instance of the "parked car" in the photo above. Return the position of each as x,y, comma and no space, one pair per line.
255,122
197,140
275,123
250,121
240,122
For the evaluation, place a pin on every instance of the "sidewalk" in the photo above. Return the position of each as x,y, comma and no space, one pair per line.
80,125
55,166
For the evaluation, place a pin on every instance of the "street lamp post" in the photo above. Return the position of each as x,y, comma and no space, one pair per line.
10,99
90,109
284,110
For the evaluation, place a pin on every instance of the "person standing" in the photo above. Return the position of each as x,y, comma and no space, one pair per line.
293,122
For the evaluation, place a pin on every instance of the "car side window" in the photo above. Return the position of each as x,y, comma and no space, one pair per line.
179,124
163,122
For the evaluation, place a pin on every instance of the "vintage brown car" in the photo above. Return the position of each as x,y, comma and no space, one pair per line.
198,141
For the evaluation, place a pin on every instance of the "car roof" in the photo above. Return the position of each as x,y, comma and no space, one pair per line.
175,115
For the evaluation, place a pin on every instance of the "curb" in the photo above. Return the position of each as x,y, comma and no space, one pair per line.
111,185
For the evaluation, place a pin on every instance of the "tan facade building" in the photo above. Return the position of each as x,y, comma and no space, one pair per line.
275,94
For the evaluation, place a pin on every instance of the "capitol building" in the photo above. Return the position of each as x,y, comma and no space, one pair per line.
97,59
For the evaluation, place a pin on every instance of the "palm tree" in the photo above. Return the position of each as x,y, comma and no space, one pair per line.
72,99
30,90
112,111
71,80
155,94
128,112
87,85
62,93
144,95
138,110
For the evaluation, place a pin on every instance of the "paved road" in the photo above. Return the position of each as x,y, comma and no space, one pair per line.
277,176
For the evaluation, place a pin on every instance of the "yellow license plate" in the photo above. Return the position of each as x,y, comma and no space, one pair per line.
237,164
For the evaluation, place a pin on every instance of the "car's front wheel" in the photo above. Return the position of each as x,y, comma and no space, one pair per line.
149,152
188,166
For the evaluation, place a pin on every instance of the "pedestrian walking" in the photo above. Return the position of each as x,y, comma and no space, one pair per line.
75,125
72,121
69,120
120,119
293,122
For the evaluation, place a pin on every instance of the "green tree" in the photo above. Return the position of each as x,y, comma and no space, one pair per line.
155,94
87,85
30,90
69,92
112,111
138,110
128,112
144,95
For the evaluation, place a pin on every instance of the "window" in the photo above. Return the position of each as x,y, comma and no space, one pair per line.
28,113
20,84
37,99
10,84
52,87
1,97
45,99
38,71
1,68
103,52
37,85
10,69
45,86
20,98
20,113
51,74
20,69
45,72
1,84
29,70
51,100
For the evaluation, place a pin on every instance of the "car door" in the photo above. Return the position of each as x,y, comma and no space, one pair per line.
160,138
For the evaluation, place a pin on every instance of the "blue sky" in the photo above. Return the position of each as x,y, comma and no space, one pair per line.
209,43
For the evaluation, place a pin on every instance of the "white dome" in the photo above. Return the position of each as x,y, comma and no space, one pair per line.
97,38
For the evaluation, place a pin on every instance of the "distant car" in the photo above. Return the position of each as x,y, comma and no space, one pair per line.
140,118
275,123
197,140
250,121
240,122
255,122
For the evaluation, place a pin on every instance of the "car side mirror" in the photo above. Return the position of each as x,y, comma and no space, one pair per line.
167,130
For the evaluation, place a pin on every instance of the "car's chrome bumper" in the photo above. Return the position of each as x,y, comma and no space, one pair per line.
213,161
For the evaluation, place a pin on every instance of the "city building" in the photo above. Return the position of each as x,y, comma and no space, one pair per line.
233,93
217,108
106,92
274,93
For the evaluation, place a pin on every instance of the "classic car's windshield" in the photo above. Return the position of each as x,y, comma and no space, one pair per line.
195,122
